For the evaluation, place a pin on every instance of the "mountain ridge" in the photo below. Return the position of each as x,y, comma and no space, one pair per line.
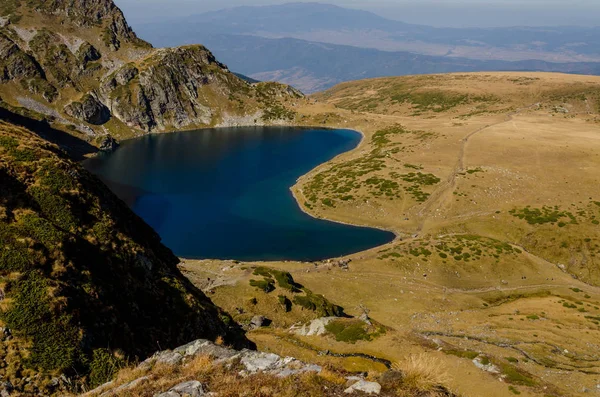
81,66
335,25
312,66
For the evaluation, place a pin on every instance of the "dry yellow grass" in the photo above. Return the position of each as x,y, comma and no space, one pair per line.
422,372
498,142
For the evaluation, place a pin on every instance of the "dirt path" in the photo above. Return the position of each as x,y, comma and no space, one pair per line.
449,185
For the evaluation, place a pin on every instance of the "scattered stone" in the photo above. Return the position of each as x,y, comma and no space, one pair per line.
192,388
254,362
560,109
365,387
169,358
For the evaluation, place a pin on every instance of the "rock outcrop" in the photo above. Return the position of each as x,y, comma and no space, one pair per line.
250,361
89,109
100,69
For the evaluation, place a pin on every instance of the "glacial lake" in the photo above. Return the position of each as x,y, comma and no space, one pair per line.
225,193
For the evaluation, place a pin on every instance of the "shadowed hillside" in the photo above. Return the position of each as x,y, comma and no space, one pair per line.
86,284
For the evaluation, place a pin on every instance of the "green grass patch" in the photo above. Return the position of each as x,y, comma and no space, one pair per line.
471,355
318,304
266,285
544,215
349,331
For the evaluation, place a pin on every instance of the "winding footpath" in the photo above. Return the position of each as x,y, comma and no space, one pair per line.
450,184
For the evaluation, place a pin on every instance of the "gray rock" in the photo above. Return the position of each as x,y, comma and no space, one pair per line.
316,327
109,144
192,388
491,368
258,361
254,362
90,110
169,358
257,322
365,318
6,388
365,387
205,347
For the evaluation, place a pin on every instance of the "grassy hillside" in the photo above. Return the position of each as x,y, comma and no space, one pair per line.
511,156
490,181
86,286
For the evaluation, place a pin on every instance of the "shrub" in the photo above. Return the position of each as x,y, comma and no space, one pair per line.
104,367
285,303
55,340
318,304
266,285
346,331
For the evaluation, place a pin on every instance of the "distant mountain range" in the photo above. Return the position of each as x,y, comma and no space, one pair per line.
314,46
312,67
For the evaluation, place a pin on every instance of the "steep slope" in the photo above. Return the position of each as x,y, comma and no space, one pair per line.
80,64
85,285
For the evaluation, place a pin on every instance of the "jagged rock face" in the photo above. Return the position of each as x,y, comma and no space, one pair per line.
88,13
146,89
88,53
166,92
89,109
15,63
81,273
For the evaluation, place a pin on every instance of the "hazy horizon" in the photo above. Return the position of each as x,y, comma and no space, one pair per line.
441,13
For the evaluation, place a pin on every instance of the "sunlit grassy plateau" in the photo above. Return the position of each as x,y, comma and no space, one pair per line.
491,183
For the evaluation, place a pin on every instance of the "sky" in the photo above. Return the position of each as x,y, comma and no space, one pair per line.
450,13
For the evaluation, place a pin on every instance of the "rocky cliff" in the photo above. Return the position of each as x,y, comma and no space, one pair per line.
85,285
79,64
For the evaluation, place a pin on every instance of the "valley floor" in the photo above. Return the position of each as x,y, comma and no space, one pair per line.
490,181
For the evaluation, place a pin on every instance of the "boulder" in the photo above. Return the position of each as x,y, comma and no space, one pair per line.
254,362
258,322
316,327
90,110
107,143
365,387
192,388
204,347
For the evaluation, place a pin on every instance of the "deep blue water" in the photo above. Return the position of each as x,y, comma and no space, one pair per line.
224,193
